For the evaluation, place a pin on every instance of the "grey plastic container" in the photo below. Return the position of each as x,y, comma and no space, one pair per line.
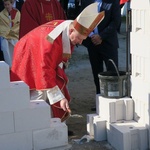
113,84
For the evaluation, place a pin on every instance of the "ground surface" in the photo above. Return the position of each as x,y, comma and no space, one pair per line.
82,91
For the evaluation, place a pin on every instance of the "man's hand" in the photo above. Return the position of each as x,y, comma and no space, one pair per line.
96,39
65,105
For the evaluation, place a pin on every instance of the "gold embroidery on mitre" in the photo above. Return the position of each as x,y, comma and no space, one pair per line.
97,20
81,29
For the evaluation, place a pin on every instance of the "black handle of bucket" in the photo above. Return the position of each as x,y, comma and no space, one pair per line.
115,67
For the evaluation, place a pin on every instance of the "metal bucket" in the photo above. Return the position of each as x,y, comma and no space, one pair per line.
113,84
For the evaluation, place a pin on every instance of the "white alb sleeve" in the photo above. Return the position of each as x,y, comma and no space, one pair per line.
54,95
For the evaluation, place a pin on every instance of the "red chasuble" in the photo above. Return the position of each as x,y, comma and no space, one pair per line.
36,62
38,12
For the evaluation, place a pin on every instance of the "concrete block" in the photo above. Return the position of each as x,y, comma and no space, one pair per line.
140,23
107,109
140,88
54,121
99,129
140,91
16,97
97,104
119,109
4,75
138,5
66,147
140,18
114,110
55,136
142,138
140,67
40,104
137,49
120,141
6,122
35,117
128,109
16,141
127,136
141,111
90,125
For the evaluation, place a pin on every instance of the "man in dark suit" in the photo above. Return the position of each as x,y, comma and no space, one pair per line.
103,44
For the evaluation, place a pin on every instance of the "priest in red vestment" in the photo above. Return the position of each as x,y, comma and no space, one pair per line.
38,12
40,58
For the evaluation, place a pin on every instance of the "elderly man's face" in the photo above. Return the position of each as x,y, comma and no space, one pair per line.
75,37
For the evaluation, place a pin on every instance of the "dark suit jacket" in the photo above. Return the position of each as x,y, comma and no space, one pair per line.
85,3
108,27
1,5
19,4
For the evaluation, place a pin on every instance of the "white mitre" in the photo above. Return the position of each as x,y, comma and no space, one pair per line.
85,23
